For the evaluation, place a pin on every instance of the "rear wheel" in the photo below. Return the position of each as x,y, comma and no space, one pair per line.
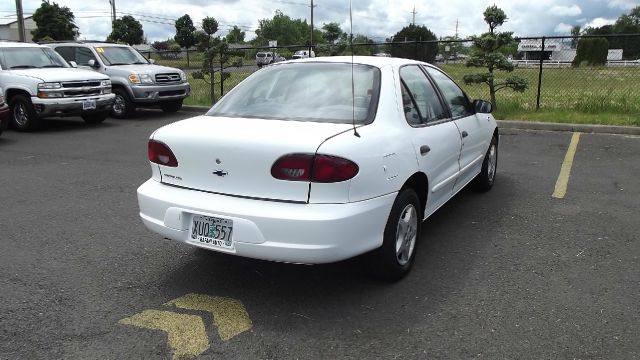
123,107
171,106
393,260
23,115
484,181
95,118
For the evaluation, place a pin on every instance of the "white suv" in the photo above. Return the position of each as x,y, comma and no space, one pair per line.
38,83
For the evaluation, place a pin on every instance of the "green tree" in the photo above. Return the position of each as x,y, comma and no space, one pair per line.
55,22
185,31
575,31
591,52
216,52
627,24
363,45
286,31
450,47
486,54
331,32
407,44
235,36
624,25
127,30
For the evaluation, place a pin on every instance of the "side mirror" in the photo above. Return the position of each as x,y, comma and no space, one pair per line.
93,63
482,106
152,61
73,64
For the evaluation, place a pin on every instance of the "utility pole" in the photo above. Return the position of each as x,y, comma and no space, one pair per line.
414,16
456,28
20,17
113,12
311,37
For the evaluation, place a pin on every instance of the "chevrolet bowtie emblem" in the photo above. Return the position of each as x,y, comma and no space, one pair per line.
220,173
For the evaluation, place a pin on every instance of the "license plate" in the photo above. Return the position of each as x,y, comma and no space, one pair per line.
211,231
89,105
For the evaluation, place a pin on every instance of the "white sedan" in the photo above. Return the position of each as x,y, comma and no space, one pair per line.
319,160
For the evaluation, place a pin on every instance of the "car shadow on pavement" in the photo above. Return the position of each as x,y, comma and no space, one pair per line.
51,125
453,240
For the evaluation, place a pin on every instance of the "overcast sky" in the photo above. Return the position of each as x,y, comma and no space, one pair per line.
377,19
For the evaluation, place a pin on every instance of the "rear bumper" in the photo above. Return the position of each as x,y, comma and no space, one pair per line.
71,106
151,94
288,232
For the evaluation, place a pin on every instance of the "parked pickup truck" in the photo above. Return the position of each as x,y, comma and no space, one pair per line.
38,83
136,80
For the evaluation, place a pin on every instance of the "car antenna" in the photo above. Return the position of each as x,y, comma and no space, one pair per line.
353,95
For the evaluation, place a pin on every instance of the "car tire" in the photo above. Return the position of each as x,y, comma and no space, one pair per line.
171,106
393,260
95,118
123,107
23,115
484,181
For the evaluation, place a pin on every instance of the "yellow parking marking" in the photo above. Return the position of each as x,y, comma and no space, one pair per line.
186,333
229,315
565,171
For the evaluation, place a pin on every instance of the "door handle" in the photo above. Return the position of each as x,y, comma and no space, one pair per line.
424,149
464,134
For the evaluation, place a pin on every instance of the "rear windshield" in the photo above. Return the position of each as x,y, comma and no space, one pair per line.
260,55
319,92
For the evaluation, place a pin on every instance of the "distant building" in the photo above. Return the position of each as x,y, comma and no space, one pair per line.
555,50
9,29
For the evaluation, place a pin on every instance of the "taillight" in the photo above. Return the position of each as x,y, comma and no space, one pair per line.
293,167
315,168
160,153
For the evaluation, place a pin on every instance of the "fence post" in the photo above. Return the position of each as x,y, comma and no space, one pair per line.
187,58
540,75
221,79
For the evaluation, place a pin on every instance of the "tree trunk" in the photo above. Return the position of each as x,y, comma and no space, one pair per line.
212,83
492,91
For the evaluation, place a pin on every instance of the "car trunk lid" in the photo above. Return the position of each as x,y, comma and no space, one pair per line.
234,156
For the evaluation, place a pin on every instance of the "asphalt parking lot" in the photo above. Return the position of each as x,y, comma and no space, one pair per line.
512,273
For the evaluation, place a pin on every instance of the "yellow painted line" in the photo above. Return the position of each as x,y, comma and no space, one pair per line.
186,333
565,171
229,315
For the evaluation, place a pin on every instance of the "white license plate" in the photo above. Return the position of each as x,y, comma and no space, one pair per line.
89,105
211,231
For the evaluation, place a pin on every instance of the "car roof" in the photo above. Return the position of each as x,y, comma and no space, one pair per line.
376,61
8,44
88,43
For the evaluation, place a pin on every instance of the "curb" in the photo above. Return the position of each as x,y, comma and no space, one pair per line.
522,125
583,128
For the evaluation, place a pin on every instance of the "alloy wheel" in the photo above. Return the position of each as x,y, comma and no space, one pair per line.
492,162
20,114
406,234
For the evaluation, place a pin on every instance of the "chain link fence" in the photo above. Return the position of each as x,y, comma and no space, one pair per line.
563,73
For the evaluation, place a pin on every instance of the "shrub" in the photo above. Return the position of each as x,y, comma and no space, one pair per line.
591,52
